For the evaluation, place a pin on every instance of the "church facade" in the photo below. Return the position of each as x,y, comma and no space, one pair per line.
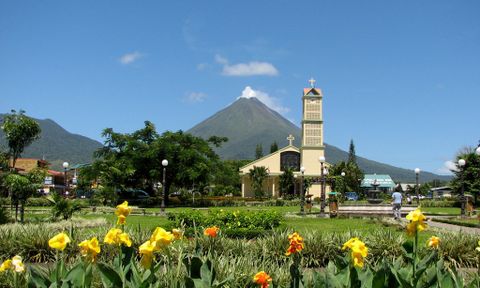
310,156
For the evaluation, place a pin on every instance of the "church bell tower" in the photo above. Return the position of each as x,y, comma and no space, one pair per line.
312,129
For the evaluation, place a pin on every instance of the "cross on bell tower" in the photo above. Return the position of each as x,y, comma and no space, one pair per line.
312,82
290,139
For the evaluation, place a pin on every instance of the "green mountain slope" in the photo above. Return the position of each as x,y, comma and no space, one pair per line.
57,145
248,122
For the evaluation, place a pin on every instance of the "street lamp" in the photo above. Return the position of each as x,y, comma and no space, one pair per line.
477,151
321,159
295,176
461,164
417,172
164,164
343,184
302,192
65,167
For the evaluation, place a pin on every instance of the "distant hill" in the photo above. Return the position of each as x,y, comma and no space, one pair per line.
248,122
58,145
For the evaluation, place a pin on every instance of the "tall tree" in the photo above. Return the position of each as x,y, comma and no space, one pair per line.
258,151
20,131
257,175
286,181
352,158
467,175
274,147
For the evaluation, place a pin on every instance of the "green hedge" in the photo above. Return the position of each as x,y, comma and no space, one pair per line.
440,203
265,220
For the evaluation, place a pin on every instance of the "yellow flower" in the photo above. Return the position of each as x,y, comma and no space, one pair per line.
125,239
433,242
262,279
17,264
416,216
478,248
357,260
112,236
59,241
121,220
177,234
161,237
146,250
417,223
349,243
6,265
359,251
211,231
123,209
116,237
90,248
296,244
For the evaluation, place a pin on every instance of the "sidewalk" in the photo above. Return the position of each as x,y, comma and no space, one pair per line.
444,227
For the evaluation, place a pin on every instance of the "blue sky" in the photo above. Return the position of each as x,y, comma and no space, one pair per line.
400,78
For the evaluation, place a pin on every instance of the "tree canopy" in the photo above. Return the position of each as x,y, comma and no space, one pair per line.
468,175
135,159
20,131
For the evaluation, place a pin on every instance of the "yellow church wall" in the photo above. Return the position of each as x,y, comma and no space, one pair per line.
271,161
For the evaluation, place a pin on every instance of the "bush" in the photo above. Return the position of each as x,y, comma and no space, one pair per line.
266,220
4,216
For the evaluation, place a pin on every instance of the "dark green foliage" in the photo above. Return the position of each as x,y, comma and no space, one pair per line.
286,182
258,151
352,157
469,174
257,175
274,147
63,207
4,216
20,131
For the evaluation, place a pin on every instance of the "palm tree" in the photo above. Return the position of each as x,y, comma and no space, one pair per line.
257,175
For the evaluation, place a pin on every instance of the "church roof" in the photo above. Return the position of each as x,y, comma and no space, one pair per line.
288,147
312,91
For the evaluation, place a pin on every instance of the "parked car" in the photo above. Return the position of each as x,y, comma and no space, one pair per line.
133,196
352,196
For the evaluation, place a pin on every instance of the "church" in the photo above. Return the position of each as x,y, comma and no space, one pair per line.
310,157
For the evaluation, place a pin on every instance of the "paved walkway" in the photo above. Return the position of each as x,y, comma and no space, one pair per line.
444,227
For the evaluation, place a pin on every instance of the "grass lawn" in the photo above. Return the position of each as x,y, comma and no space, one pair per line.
442,210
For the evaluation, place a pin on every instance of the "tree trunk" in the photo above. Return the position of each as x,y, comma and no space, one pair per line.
22,211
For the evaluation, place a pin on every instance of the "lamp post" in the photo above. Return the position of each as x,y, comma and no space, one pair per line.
343,184
164,164
295,176
461,164
302,192
321,159
417,172
65,167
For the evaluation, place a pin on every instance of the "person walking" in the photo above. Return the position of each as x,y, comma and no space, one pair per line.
397,204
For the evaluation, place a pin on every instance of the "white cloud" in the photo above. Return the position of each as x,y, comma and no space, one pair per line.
271,102
253,68
195,97
129,58
202,66
447,168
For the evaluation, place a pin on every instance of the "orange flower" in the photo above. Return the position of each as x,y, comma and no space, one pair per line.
211,231
121,220
433,242
296,244
177,234
262,278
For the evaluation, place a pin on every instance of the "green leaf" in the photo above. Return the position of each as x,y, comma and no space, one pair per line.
75,275
38,278
110,277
